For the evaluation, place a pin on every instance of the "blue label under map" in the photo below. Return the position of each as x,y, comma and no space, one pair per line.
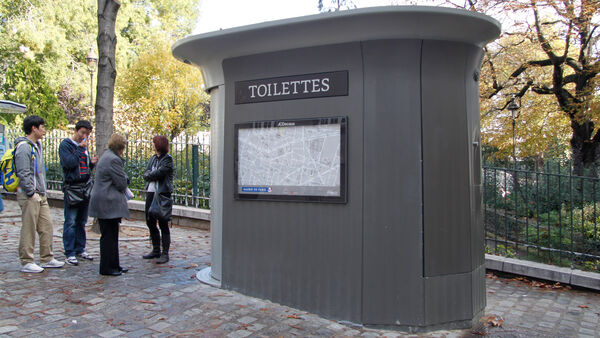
256,189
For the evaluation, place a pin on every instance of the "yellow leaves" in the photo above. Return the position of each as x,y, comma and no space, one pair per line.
163,93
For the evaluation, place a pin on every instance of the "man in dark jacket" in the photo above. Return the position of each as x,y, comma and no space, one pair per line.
77,174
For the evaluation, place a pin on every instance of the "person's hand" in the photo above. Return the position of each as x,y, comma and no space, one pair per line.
94,159
84,143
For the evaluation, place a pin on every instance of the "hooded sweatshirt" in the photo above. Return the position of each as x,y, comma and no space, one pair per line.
31,172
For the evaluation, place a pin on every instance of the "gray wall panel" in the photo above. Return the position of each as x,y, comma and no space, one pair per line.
393,224
446,192
478,290
306,255
448,298
472,68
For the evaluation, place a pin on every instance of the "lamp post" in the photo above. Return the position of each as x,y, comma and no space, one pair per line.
514,109
91,59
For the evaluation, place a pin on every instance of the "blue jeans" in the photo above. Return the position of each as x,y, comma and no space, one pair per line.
74,230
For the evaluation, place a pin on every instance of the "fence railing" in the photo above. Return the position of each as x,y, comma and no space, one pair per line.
546,216
190,154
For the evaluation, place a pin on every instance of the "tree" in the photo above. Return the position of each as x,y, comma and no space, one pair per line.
163,93
335,5
25,83
564,67
57,35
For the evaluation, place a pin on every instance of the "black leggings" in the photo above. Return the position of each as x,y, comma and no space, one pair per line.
109,245
154,233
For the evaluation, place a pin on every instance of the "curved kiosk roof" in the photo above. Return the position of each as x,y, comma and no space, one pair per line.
376,23
345,163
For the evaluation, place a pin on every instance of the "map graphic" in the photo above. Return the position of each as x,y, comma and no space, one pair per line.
299,159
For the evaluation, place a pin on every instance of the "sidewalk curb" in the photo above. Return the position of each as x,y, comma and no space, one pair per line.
590,280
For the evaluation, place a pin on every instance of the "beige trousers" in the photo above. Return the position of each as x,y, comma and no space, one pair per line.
36,219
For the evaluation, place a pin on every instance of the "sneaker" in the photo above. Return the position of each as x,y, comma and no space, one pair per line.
32,268
72,260
85,255
53,264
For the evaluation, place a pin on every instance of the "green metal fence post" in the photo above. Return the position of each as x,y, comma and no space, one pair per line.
195,170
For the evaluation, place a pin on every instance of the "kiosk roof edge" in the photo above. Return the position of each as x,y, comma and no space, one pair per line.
10,107
208,50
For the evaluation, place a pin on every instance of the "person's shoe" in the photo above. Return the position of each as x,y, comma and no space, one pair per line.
32,268
85,255
123,270
153,254
164,257
72,260
53,264
111,273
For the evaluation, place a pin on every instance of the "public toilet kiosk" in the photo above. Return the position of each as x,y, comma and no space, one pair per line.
345,163
8,107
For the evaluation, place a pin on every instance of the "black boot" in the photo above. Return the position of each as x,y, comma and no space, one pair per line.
164,257
166,243
155,253
151,254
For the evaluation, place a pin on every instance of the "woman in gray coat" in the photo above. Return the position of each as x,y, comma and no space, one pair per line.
108,203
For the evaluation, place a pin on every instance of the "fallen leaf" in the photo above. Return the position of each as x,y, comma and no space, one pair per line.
494,321
243,327
584,306
192,265
146,301
294,316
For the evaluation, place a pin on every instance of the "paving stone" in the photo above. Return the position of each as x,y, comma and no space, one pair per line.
111,333
139,333
246,320
160,326
6,329
585,331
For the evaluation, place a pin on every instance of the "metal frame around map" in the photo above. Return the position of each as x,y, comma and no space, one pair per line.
341,198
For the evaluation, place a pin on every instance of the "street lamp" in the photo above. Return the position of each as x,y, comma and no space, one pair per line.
514,110
91,59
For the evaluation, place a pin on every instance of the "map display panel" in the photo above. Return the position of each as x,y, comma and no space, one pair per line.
291,160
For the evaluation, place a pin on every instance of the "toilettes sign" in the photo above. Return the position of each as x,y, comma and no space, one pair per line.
292,87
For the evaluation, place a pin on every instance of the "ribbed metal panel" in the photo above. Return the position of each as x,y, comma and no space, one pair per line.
306,255
448,298
472,69
393,224
446,193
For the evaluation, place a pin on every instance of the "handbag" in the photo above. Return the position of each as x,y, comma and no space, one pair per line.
161,207
76,194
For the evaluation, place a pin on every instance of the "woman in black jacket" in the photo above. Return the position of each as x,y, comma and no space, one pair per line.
159,175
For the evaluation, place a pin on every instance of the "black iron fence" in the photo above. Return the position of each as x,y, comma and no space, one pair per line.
190,156
547,215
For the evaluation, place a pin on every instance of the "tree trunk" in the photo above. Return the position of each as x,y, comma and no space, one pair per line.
107,74
584,149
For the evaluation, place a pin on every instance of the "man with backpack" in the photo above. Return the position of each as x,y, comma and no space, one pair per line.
77,185
31,195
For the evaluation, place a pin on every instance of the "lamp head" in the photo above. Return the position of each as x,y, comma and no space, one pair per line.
513,108
91,59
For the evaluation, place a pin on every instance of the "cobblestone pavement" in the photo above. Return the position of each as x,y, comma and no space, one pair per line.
163,301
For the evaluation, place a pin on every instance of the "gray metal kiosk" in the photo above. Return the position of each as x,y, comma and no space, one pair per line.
345,163
8,107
